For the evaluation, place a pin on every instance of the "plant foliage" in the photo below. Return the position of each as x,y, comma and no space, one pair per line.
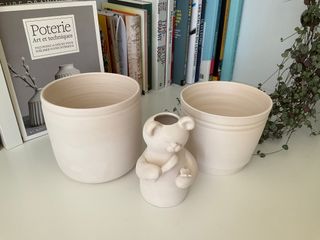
297,89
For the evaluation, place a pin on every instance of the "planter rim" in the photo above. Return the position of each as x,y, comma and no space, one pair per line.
119,106
210,115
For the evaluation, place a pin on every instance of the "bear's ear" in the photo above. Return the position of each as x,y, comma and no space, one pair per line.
187,123
151,128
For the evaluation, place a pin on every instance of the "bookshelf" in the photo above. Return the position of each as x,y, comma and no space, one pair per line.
272,198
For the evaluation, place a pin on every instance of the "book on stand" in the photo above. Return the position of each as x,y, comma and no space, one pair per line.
181,39
38,41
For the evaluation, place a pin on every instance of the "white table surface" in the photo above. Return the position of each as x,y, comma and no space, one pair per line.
277,197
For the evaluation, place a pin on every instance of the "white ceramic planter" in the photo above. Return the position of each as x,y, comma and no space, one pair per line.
94,125
230,118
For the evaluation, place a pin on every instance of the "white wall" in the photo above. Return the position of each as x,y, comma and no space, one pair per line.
263,23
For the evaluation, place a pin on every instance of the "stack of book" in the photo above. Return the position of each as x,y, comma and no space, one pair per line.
159,42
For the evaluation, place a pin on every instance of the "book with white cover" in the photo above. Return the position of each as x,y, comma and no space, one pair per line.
170,27
159,40
133,26
193,40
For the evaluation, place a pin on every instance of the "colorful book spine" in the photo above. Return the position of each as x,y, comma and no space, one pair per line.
193,40
104,41
133,26
159,38
231,39
214,71
170,23
211,25
148,7
200,41
225,25
181,40
114,50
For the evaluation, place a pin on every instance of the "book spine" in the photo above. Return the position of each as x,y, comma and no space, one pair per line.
105,42
161,39
133,26
193,40
224,34
170,23
231,39
121,38
113,43
219,42
216,42
181,40
200,41
211,23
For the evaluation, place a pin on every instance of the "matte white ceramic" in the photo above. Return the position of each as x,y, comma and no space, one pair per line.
230,118
94,125
166,169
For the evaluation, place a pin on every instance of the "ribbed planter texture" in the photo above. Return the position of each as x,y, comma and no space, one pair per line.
230,118
94,125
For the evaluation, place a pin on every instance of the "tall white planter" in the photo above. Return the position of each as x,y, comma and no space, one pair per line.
93,121
230,118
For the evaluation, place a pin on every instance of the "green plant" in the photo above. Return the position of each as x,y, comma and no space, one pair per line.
297,89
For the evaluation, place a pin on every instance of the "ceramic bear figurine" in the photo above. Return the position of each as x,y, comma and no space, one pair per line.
166,169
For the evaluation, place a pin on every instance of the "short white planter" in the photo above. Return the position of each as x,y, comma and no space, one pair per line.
94,125
230,118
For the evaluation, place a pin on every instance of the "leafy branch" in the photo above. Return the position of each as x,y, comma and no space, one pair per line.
26,78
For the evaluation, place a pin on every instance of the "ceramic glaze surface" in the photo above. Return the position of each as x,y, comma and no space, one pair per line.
166,169
230,118
93,121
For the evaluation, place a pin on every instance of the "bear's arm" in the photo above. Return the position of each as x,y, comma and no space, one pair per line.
145,170
191,163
